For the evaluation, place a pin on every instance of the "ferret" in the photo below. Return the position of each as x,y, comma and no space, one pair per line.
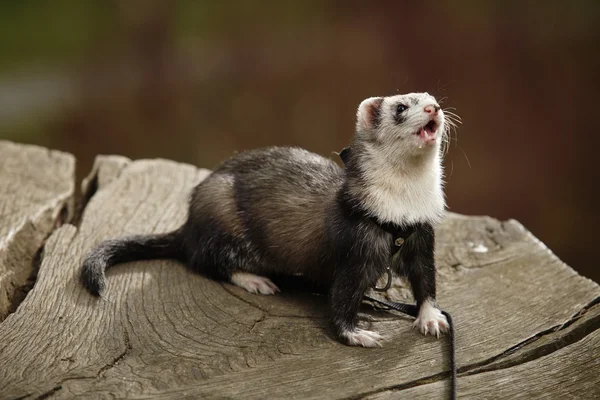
284,211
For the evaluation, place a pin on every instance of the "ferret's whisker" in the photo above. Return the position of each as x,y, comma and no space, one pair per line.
464,154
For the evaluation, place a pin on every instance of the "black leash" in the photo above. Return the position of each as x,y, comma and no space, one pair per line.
399,235
413,311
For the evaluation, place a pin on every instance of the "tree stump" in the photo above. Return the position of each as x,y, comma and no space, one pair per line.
36,194
526,323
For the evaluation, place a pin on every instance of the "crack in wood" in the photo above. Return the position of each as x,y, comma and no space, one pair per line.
21,292
404,386
258,321
118,358
523,266
83,198
49,393
491,364
36,199
94,181
57,387
21,397
237,296
492,236
578,333
574,335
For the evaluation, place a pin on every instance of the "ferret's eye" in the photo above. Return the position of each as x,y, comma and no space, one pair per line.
401,108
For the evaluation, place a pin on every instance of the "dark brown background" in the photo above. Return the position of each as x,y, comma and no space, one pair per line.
195,80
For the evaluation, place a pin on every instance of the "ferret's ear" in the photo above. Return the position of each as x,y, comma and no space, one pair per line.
368,115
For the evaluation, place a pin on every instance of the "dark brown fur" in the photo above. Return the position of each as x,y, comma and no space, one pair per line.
284,211
281,211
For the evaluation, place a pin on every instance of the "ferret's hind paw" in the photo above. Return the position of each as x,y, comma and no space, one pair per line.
254,283
431,321
361,337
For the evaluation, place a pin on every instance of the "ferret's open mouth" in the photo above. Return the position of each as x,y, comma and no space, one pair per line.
428,131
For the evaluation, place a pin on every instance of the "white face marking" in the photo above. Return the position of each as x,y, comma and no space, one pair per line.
254,283
405,124
431,320
401,163
361,337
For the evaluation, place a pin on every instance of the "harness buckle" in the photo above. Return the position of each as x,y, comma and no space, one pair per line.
388,284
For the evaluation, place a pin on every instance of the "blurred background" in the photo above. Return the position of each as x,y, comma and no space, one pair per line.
194,81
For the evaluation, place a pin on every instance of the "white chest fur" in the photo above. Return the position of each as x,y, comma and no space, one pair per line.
404,194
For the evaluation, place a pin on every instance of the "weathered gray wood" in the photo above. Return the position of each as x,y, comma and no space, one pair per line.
162,331
36,194
573,372
104,171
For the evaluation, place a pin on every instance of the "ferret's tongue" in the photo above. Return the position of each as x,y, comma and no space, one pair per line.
427,136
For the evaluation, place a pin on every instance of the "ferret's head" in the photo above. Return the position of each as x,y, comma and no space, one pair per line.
411,123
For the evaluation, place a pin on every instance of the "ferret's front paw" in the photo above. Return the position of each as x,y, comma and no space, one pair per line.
254,283
431,320
361,337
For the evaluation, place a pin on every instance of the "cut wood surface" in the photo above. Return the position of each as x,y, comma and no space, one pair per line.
572,372
36,195
161,331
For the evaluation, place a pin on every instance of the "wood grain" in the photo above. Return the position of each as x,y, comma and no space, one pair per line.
36,194
573,372
163,332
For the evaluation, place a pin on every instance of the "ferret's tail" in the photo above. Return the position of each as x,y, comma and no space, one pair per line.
133,248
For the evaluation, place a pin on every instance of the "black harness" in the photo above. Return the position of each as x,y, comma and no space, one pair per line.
399,235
